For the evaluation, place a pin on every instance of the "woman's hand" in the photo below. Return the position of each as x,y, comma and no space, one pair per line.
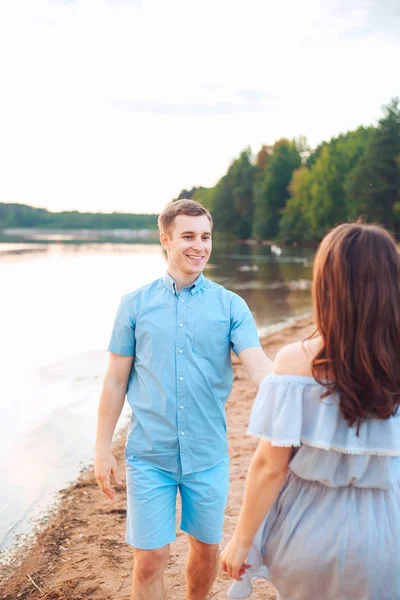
233,558
266,476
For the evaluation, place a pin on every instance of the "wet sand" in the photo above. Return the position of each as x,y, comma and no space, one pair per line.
82,554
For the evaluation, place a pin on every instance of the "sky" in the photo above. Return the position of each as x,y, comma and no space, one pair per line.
119,104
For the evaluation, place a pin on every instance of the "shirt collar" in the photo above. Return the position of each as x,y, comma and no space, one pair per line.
195,287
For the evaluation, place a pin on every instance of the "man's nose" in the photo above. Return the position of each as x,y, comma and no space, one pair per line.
197,244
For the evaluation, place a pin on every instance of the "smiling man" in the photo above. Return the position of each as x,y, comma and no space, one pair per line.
170,352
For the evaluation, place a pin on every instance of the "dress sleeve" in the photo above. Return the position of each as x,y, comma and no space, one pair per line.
289,411
277,411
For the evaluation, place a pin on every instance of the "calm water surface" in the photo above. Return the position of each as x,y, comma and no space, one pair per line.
57,306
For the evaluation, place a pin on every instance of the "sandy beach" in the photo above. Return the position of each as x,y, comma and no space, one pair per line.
82,553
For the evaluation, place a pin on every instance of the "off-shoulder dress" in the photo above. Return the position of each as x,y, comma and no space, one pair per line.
334,531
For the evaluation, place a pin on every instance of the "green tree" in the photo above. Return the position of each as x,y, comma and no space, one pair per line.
222,208
318,198
205,196
188,194
327,201
21,215
271,191
232,201
373,188
295,223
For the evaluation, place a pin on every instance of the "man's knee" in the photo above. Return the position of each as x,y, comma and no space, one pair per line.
149,564
202,550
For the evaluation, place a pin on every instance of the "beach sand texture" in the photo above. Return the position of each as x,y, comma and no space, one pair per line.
82,553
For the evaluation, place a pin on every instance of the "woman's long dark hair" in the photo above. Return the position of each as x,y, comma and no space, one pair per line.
356,294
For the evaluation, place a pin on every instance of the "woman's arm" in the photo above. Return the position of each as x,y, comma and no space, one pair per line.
267,471
266,475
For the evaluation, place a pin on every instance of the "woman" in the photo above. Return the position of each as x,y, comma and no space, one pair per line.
321,511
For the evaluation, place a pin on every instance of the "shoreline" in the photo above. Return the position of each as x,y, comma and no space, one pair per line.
81,552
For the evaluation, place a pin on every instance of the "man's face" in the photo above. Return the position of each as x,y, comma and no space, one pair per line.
188,244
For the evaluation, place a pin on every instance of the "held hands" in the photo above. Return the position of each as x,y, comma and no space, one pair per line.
233,558
105,465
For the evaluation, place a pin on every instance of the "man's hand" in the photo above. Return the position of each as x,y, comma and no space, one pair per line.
111,402
105,466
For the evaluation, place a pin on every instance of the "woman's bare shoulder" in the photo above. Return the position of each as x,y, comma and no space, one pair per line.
296,358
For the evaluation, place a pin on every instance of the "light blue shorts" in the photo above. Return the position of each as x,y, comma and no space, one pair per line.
151,504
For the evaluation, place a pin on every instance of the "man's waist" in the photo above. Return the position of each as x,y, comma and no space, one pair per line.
175,466
188,458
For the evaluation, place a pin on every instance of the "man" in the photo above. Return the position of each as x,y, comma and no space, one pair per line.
170,352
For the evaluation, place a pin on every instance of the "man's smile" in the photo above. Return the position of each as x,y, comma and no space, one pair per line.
195,257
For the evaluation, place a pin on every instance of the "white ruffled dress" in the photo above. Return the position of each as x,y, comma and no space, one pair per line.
334,531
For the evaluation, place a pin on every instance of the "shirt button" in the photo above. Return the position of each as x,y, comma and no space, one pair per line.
181,407
180,351
180,378
180,324
182,300
182,433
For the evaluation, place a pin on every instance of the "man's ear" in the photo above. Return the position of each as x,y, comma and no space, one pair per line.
164,239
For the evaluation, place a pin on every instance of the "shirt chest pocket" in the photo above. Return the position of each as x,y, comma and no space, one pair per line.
211,339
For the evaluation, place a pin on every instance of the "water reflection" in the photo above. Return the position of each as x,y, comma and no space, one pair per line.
275,282
276,285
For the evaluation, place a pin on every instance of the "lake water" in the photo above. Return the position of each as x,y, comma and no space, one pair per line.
57,306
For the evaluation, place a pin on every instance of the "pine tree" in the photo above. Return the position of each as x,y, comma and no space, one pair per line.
374,186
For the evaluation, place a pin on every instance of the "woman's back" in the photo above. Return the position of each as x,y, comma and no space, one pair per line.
333,531
328,450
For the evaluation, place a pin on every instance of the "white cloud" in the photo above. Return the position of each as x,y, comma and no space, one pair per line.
117,105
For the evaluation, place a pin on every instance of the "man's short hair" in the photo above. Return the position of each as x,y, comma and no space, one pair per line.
181,207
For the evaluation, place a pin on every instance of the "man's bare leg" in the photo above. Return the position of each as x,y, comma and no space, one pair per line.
148,573
201,569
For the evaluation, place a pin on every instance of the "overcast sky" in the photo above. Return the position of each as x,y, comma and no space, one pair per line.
118,105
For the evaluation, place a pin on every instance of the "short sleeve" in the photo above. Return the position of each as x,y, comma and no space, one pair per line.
123,334
277,412
243,332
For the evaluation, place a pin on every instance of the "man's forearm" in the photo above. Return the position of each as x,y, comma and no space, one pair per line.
258,373
110,407
256,363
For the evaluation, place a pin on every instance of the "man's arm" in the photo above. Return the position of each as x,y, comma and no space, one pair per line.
111,402
245,341
256,363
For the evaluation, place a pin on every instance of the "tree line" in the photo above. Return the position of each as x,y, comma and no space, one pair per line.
291,194
21,215
286,192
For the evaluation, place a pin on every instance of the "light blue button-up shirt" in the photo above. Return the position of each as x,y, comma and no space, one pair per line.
182,373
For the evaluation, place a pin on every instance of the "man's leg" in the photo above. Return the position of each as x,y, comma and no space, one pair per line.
204,496
148,571
201,569
151,510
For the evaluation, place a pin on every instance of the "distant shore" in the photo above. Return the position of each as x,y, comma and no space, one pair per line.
82,554
47,235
